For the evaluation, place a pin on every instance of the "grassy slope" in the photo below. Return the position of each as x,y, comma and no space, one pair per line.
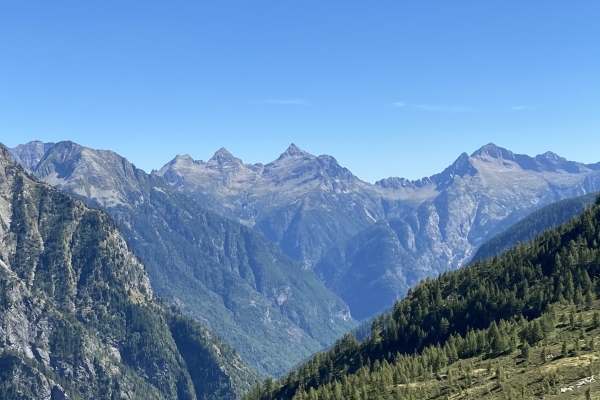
479,378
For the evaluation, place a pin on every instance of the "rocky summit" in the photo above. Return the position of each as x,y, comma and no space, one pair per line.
367,242
30,154
304,203
212,268
321,214
78,316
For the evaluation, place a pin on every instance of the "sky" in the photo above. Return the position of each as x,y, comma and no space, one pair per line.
389,88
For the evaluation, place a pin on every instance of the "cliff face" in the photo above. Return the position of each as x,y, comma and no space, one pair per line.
30,154
78,317
304,203
215,269
321,214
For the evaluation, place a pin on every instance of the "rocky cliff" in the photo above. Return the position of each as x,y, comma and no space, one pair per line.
78,317
214,269
317,210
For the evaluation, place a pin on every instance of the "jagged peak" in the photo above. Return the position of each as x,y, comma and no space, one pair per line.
328,159
551,156
294,151
396,183
462,166
65,149
221,154
183,158
494,151
33,143
333,168
70,148
222,157
67,144
486,147
461,160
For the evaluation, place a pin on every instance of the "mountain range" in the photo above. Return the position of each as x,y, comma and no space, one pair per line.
370,242
221,272
522,325
78,315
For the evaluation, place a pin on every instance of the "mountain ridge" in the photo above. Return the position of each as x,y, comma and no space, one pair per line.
453,336
310,205
313,207
78,315
218,271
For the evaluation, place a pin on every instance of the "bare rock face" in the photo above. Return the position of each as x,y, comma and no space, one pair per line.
76,303
30,154
217,270
441,220
304,203
321,214
367,241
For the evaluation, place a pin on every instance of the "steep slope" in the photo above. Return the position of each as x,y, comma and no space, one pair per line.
30,154
317,211
495,310
304,203
78,318
535,223
218,271
376,267
438,222
321,214
563,366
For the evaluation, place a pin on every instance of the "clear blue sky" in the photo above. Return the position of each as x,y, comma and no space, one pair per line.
389,88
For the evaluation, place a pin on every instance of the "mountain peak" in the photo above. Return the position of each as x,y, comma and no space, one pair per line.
294,151
550,156
67,145
494,151
183,158
222,153
461,167
222,157
30,154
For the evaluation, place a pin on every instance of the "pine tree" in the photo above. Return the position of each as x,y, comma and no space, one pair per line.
564,351
525,352
543,355
590,297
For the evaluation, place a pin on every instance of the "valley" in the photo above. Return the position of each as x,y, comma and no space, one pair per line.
213,239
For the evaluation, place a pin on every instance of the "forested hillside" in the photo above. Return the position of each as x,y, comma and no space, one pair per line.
535,223
78,317
538,299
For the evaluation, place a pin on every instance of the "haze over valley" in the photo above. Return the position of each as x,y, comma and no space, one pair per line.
299,200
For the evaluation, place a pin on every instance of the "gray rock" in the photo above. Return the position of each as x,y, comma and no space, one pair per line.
321,214
216,268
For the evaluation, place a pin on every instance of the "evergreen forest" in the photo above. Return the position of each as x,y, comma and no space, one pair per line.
523,324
